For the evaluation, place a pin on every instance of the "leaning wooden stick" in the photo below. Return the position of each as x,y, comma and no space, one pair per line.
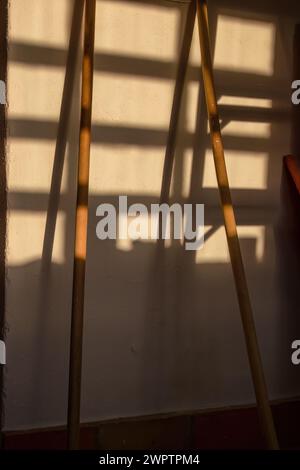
62,134
264,409
81,228
178,92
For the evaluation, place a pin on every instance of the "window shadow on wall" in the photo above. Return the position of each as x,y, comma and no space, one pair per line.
161,327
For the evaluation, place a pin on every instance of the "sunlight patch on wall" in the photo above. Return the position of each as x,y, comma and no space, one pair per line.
124,245
246,170
43,26
186,173
126,170
191,108
247,129
26,235
30,166
195,55
245,45
123,28
245,101
38,94
215,249
121,100
148,220
257,233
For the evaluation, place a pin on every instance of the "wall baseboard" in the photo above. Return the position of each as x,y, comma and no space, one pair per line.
227,428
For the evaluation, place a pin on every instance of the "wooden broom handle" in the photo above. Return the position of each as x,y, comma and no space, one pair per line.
256,367
81,227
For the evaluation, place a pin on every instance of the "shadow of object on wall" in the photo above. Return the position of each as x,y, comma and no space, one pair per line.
287,236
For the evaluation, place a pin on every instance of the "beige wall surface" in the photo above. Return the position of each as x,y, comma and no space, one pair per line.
162,330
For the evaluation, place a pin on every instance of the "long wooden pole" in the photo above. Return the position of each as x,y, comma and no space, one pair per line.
81,228
264,409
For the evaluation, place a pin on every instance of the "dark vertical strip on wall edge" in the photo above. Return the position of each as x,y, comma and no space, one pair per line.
3,195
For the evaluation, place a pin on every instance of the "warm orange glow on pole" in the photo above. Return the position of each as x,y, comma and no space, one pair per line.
81,228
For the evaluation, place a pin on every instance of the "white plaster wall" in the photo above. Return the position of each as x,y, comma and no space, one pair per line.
162,333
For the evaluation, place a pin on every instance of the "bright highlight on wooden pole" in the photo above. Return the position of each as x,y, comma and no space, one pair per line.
81,227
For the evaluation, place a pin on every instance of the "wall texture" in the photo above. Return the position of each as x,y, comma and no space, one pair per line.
162,329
